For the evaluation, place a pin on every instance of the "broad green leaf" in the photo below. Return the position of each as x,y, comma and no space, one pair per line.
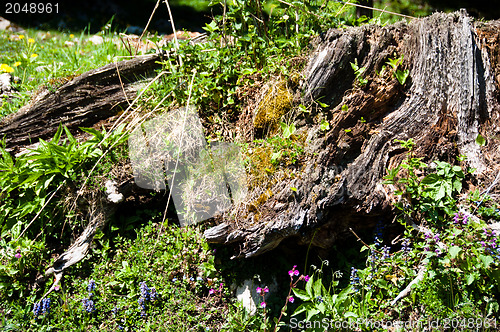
480,140
487,260
301,294
454,251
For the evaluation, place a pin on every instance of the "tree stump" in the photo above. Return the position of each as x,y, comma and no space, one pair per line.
449,98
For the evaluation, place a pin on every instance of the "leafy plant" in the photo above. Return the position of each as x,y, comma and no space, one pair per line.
401,75
358,72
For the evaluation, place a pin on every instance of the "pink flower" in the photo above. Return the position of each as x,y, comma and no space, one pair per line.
293,272
56,288
17,255
306,278
266,289
263,304
259,290
211,291
291,299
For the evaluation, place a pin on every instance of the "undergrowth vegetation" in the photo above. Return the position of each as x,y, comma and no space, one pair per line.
144,273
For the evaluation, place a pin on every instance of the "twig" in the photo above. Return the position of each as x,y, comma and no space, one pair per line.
422,268
175,32
364,243
372,8
146,27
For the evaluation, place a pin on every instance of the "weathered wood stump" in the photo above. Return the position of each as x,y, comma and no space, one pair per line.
450,96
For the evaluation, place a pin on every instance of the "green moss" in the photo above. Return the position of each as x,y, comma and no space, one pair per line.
273,106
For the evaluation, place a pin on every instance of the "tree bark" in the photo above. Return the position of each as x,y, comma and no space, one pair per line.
81,102
450,96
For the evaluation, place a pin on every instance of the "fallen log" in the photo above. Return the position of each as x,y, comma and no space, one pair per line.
82,102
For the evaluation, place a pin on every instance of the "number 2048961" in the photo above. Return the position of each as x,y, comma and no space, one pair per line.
31,8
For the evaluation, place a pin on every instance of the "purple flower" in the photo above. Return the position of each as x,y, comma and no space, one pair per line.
291,299
306,278
263,304
18,254
266,289
91,285
293,272
37,308
259,290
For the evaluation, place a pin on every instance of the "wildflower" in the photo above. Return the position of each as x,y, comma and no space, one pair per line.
153,294
318,299
456,218
37,308
354,278
31,40
16,64
174,279
305,278
212,291
56,288
285,17
199,279
34,55
293,272
386,252
406,246
266,289
91,285
263,304
259,290
6,68
71,36
21,36
144,290
436,237
88,305
18,254
291,299
45,305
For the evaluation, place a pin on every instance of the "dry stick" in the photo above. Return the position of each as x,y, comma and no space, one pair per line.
39,212
487,191
292,5
175,32
146,27
223,39
360,240
372,8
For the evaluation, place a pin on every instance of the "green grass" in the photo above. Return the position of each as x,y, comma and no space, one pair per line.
36,59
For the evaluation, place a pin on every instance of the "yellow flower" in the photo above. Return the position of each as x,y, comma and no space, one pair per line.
21,36
31,40
17,63
71,36
34,55
6,68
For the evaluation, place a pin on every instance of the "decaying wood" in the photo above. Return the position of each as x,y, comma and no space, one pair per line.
81,102
450,97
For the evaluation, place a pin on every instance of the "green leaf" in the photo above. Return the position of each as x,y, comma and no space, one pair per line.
324,125
454,251
486,260
480,140
301,294
323,104
344,108
470,279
